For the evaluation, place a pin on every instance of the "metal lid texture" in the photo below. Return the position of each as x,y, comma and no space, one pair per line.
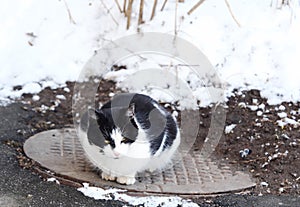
60,151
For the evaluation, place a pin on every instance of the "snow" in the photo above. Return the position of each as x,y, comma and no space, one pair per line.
262,106
53,180
40,47
265,184
282,114
67,90
259,113
35,97
229,128
149,201
281,107
61,97
252,107
242,105
285,121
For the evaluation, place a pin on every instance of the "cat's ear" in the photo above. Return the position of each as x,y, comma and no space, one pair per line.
131,114
130,111
100,115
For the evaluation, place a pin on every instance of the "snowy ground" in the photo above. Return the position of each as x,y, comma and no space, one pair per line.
42,45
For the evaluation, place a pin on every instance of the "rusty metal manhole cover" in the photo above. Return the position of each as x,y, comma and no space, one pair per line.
60,151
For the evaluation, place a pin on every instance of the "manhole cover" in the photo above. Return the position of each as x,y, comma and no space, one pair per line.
60,151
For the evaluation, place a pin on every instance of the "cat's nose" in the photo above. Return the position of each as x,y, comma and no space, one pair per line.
117,154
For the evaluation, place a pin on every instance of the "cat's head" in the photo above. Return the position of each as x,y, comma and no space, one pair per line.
128,125
118,130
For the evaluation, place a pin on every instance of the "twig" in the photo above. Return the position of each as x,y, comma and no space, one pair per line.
124,7
69,13
128,13
195,7
140,21
118,5
153,9
176,7
231,13
108,11
163,6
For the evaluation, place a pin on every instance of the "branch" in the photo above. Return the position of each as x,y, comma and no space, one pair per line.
231,13
140,21
163,6
195,7
69,13
109,12
128,13
153,9
118,5
124,7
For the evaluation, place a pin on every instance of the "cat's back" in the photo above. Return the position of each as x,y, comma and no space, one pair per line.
127,99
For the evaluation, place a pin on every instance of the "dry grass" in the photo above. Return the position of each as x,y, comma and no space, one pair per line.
128,9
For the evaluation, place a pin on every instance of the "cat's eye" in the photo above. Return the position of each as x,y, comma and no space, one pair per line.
107,142
126,140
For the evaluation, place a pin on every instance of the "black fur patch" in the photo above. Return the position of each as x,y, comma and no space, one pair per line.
122,113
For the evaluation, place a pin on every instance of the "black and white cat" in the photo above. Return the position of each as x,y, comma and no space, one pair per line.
129,134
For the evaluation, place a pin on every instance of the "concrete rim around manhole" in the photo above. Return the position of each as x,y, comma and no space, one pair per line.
59,150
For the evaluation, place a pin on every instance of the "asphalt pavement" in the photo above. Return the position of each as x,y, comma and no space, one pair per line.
22,187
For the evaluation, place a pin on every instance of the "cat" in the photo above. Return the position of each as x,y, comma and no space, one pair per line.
129,134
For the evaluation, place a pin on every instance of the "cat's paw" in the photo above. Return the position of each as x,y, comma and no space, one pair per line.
126,180
107,177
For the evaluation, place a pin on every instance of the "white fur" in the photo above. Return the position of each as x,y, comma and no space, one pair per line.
139,149
161,159
122,163
159,108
